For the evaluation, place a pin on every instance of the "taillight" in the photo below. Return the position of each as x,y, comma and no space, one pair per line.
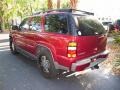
72,47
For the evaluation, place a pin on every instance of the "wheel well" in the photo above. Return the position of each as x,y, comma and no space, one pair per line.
43,48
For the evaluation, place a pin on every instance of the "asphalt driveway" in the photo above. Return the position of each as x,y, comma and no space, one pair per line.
19,73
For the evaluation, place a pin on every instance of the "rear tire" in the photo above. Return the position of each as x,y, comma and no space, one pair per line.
46,65
13,48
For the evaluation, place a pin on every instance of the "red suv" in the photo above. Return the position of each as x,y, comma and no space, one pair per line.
64,39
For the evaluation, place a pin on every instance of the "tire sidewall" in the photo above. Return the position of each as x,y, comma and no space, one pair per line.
52,70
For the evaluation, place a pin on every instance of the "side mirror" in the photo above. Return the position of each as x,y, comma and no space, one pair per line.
15,27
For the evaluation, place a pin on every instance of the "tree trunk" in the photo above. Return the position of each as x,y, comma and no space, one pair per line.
31,10
49,4
73,4
2,24
58,4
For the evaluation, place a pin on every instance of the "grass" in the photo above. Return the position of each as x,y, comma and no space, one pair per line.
113,60
117,63
117,39
116,66
114,33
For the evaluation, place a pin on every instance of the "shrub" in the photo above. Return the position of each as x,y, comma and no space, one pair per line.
117,39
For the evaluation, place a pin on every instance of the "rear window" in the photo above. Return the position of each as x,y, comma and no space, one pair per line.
88,26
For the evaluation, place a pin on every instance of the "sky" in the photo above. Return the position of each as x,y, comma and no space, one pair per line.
107,8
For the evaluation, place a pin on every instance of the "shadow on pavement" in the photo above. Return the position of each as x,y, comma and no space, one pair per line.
4,40
87,81
4,47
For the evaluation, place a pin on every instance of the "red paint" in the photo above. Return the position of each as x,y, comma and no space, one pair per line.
82,67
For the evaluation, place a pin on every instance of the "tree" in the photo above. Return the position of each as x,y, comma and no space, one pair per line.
3,7
7,10
73,4
49,4
10,9
67,4
58,3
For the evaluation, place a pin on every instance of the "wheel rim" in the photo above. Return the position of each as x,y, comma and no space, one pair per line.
45,64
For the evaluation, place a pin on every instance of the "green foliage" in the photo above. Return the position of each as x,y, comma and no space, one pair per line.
10,9
114,33
117,39
65,4
116,36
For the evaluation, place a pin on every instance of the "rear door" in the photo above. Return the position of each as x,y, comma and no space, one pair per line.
33,35
91,36
57,32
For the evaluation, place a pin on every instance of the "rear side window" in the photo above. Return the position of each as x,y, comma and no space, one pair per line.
56,23
88,26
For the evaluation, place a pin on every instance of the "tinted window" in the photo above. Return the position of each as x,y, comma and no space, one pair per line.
56,23
24,24
35,24
88,26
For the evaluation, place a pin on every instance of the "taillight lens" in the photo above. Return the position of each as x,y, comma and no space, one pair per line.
72,47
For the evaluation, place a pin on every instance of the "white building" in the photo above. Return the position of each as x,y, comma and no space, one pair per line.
103,9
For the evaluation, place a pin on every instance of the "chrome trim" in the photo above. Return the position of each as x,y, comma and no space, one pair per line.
58,66
87,60
81,62
96,62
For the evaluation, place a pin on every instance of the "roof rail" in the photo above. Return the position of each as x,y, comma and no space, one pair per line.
65,10
85,12
70,10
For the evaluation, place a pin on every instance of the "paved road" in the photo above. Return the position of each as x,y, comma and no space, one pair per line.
19,73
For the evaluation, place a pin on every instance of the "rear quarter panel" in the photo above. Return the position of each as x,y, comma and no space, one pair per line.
57,43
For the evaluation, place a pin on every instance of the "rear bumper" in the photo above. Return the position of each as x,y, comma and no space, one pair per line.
89,62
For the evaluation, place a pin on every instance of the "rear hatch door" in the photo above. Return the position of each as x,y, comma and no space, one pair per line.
91,36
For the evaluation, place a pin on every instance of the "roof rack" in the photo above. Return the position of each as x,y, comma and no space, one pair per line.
71,11
65,10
